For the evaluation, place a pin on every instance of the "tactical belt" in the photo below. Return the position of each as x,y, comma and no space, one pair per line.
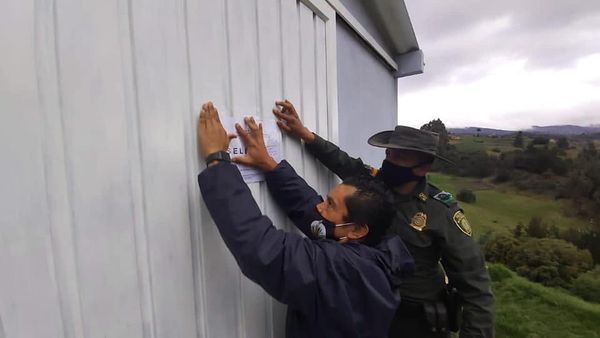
434,313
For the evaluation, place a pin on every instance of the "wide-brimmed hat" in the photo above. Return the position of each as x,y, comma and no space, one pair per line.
407,138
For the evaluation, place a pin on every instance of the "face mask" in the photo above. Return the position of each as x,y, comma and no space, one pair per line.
395,175
322,228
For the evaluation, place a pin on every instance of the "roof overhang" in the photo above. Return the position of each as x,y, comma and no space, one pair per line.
399,48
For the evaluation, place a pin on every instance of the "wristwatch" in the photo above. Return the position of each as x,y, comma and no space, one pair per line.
218,156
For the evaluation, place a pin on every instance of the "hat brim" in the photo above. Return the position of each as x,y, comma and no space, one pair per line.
382,140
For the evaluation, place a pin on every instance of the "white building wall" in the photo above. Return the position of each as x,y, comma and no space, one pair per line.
102,230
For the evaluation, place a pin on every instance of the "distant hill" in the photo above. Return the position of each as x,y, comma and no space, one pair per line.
564,130
482,131
567,130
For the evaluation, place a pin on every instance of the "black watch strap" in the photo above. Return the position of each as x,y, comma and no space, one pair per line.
218,156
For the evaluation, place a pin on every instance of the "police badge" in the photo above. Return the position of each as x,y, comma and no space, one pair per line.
419,221
461,222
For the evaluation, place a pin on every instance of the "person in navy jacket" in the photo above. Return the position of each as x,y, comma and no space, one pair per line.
339,281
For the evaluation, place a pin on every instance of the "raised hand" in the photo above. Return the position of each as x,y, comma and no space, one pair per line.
256,151
211,135
289,121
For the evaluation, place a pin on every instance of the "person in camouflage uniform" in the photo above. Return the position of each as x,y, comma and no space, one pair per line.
450,289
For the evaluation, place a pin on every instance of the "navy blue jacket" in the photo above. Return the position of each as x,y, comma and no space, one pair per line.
331,289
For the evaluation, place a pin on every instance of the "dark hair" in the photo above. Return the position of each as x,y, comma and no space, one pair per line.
371,204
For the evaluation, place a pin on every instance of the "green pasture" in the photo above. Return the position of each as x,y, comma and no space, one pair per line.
499,208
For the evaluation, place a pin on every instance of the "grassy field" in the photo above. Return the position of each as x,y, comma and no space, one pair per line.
530,310
499,208
523,309
496,145
470,143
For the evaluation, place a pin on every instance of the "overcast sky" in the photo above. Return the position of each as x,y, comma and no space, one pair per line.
504,63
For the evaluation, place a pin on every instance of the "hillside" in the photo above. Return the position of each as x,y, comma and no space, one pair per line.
557,130
499,208
527,309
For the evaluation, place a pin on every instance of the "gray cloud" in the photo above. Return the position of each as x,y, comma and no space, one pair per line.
549,33
461,38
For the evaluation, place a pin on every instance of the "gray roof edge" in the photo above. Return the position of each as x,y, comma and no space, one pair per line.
394,21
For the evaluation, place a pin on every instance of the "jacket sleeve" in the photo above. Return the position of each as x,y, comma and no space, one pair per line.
337,160
293,195
464,264
281,263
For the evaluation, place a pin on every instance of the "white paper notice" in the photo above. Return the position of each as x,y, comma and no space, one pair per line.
271,135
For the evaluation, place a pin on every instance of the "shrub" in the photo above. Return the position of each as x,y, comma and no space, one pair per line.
502,176
467,196
500,249
550,261
536,228
587,285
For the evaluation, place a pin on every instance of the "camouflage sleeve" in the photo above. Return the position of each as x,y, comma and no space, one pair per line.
464,264
337,160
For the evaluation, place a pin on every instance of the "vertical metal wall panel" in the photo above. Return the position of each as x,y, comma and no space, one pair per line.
104,233
161,82
96,139
290,30
367,92
270,70
28,291
217,276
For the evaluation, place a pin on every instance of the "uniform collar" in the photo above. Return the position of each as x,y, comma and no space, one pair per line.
420,192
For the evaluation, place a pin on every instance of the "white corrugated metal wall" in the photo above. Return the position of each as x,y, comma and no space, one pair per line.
103,233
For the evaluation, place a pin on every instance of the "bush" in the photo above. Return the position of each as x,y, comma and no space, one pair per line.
587,285
500,249
550,261
536,228
467,196
502,176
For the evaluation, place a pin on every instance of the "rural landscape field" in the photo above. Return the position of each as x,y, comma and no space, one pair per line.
533,200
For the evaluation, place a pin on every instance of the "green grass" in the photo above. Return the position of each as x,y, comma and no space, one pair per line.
470,143
499,208
530,310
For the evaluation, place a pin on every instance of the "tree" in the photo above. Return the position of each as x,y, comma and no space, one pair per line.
519,230
550,261
466,195
437,126
536,228
589,151
518,142
539,140
500,249
583,182
562,143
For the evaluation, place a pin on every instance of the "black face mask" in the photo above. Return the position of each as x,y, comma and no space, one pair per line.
319,226
395,175
322,228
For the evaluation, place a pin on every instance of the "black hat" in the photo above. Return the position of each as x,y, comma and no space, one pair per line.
407,138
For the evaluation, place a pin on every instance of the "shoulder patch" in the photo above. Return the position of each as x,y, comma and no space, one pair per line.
372,170
461,222
445,197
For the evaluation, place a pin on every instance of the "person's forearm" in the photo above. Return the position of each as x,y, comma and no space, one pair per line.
477,302
335,159
293,195
278,261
